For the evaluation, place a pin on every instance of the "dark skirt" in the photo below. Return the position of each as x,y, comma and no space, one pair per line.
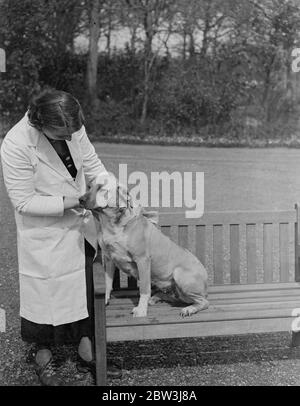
70,333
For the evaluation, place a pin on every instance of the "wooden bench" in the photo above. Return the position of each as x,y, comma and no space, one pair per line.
252,259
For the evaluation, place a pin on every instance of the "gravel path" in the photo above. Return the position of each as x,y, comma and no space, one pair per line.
280,373
256,360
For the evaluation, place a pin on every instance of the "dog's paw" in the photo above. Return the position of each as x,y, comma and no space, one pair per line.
153,300
139,312
188,311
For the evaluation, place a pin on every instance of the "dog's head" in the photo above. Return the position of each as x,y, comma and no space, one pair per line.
107,196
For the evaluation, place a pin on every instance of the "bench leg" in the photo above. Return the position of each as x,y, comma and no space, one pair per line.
100,340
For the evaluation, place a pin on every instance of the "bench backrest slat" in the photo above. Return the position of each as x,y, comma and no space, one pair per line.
234,253
200,243
183,239
236,247
218,256
251,253
174,233
284,252
268,252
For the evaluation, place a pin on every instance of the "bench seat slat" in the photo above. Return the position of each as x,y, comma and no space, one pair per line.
255,287
260,293
229,289
165,310
215,314
213,328
114,302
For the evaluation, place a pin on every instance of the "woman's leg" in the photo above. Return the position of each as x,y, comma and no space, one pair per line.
46,367
85,350
43,355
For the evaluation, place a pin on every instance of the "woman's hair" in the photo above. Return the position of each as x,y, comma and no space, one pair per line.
55,108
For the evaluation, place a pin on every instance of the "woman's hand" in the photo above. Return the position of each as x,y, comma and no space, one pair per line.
71,203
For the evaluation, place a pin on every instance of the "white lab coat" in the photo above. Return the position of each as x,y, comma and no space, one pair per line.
50,240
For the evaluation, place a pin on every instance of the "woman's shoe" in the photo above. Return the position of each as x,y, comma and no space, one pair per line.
48,374
83,366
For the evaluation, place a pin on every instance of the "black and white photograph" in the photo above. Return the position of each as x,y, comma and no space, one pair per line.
149,195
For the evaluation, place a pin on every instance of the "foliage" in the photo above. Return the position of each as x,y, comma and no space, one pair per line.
230,73
36,36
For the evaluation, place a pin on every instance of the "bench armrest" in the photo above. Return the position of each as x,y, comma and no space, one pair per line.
99,277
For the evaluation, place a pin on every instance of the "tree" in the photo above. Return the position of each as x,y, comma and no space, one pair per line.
62,19
203,23
35,34
151,15
92,61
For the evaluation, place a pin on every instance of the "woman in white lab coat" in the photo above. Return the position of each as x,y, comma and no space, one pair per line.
47,162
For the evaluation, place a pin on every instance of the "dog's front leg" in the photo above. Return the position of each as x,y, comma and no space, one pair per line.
109,278
144,271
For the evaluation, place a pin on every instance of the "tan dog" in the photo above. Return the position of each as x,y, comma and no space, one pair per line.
137,247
